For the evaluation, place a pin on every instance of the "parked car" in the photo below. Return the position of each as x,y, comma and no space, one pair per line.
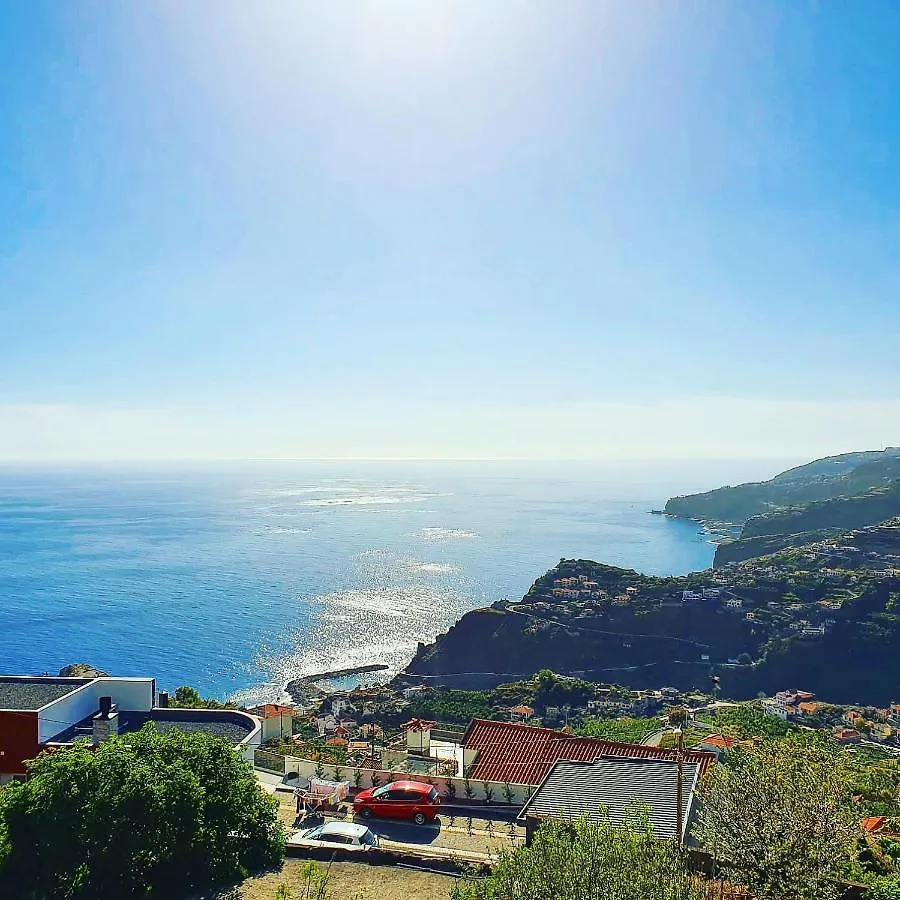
346,835
399,800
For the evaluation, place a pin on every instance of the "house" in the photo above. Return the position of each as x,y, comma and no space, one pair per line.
371,730
853,717
341,705
325,724
734,603
712,593
520,713
524,754
847,736
41,712
574,789
812,631
809,708
418,735
691,595
716,743
277,720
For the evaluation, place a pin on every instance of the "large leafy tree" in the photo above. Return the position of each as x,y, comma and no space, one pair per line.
587,861
777,820
146,815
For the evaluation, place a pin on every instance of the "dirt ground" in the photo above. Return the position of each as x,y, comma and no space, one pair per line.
346,881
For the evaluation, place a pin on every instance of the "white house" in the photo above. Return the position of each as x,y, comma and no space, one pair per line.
277,720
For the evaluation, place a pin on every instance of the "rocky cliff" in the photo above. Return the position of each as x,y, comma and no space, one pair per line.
789,619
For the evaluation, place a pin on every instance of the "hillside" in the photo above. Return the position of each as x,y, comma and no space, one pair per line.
824,616
857,511
824,479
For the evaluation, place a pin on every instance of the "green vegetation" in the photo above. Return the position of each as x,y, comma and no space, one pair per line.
551,689
187,697
825,479
451,706
868,508
777,820
584,861
149,815
625,729
747,720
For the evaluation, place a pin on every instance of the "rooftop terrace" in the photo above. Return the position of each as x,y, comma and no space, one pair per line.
32,693
232,725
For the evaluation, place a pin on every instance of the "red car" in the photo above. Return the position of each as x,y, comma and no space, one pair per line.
399,800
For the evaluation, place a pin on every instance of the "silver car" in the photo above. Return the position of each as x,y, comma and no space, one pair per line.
346,835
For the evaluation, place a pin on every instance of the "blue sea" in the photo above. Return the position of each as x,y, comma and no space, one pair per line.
234,578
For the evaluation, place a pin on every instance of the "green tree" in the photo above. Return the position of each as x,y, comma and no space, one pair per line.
776,819
145,815
586,861
187,697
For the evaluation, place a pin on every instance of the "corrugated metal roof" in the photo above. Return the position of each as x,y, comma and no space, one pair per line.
524,754
575,789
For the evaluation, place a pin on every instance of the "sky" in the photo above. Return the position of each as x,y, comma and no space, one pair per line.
453,229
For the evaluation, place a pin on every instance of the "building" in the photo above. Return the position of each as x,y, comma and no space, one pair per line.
277,720
847,736
612,786
520,713
716,743
41,712
524,754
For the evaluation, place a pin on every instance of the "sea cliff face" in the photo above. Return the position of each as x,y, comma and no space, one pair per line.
787,619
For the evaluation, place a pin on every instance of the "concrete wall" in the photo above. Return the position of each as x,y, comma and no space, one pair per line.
134,694
306,768
280,726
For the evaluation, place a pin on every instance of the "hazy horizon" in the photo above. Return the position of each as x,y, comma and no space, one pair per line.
490,229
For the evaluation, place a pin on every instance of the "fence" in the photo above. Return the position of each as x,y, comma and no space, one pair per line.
460,788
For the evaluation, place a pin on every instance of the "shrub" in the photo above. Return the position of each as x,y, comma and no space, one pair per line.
148,813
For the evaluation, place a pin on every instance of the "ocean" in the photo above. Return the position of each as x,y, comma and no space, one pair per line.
234,578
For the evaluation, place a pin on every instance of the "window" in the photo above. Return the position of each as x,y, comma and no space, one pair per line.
335,838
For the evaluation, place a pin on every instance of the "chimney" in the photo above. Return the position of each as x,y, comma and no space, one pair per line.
106,722
162,700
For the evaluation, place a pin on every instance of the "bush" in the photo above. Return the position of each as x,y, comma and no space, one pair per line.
777,820
147,814
575,861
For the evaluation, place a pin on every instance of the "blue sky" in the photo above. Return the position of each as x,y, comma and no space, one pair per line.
484,228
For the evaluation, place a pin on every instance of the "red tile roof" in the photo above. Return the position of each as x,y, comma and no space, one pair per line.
523,754
268,710
418,725
873,824
719,740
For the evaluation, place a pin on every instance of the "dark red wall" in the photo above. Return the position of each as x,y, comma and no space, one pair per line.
18,741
